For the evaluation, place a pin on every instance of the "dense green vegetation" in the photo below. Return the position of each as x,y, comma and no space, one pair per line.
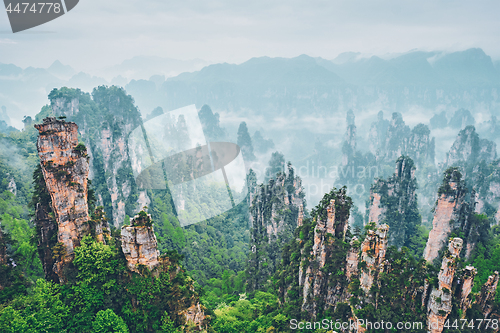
240,290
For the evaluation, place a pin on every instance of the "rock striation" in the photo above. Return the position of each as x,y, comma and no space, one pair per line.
394,202
450,213
440,300
373,251
468,282
139,243
195,315
487,295
469,149
65,168
389,139
329,233
326,270
104,120
275,212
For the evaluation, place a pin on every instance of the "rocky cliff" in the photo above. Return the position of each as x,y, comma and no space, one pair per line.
276,210
139,243
394,202
451,212
372,255
65,169
391,139
469,149
467,284
487,295
477,160
62,212
326,272
104,120
328,254
440,304
356,169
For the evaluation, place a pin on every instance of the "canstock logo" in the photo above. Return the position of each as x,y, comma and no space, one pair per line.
28,14
204,178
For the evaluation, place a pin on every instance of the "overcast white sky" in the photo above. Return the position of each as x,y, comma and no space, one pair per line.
98,33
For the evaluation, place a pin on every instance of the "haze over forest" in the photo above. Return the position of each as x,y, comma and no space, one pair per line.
332,160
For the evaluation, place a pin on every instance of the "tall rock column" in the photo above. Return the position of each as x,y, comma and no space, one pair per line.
488,291
373,251
275,212
440,302
394,202
139,243
448,213
65,169
467,284
105,119
319,278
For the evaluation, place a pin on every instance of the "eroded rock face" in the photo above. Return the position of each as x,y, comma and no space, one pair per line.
377,134
139,244
451,212
352,259
314,279
275,212
440,300
391,139
104,122
373,251
394,202
376,211
467,284
46,227
65,170
468,148
488,291
195,315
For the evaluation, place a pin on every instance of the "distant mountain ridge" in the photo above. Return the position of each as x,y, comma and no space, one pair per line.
279,86
306,84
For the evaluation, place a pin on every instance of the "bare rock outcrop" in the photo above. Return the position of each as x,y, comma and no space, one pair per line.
352,259
330,230
373,251
104,121
467,284
275,212
394,202
440,300
468,148
451,212
195,315
139,243
65,170
487,295
375,210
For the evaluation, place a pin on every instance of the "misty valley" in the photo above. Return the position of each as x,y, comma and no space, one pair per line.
280,194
